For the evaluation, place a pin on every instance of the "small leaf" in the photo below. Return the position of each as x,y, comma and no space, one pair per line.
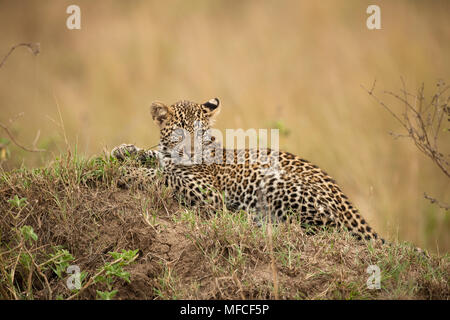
28,233
105,295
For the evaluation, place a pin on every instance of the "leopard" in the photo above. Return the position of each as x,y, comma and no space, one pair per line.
268,184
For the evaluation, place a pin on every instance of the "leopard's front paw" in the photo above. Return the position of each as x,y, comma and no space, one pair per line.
124,151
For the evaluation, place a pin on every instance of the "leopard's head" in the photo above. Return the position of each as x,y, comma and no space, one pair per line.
183,120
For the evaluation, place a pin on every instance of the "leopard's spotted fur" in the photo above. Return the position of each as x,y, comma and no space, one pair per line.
294,189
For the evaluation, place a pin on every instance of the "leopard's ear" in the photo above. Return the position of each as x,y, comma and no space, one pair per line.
160,113
211,107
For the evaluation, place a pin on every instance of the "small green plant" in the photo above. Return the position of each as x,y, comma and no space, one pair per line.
60,260
27,233
282,128
18,202
189,216
23,256
98,167
106,295
289,256
112,271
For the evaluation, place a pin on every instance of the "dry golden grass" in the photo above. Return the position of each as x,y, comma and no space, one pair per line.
301,63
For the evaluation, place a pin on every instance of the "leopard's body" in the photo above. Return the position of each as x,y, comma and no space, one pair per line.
257,181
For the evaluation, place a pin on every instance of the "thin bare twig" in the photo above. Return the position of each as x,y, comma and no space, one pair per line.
440,204
383,104
423,123
39,270
13,270
35,48
17,143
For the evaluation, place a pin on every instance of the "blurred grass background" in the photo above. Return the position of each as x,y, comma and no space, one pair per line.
298,63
